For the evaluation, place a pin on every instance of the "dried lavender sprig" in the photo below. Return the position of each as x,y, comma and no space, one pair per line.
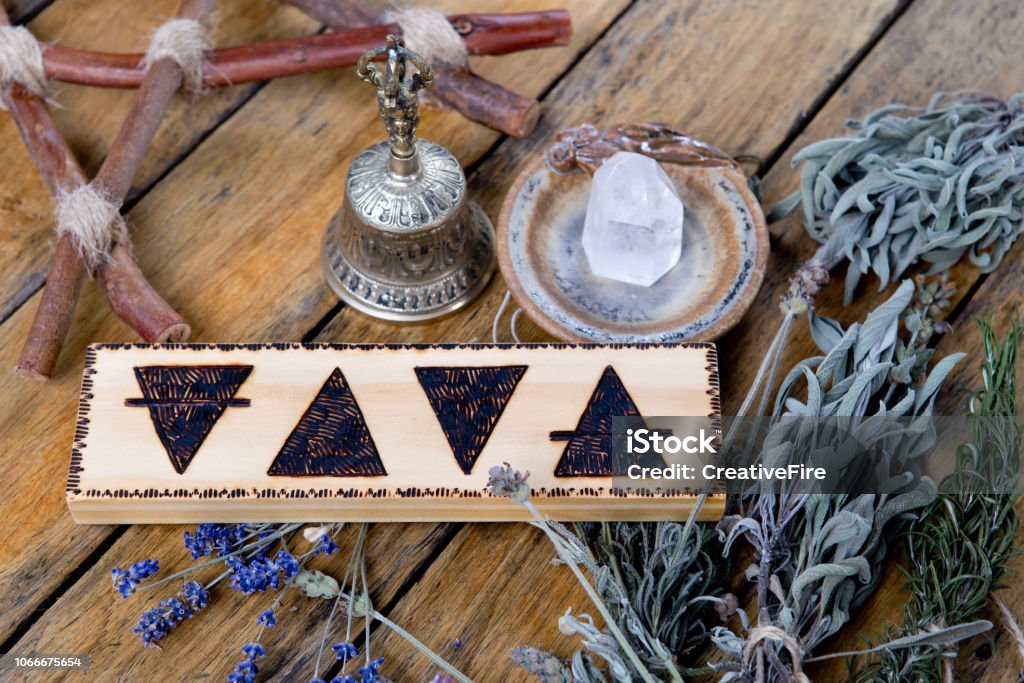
359,605
671,577
509,483
343,653
263,542
959,549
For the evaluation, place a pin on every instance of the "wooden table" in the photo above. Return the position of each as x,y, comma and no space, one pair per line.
228,214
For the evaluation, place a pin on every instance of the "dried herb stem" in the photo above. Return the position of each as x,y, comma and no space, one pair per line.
609,619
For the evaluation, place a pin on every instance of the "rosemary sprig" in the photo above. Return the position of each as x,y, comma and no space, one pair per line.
960,546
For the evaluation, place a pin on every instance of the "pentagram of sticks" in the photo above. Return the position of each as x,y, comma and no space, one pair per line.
356,29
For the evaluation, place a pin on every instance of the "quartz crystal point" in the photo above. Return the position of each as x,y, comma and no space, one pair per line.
634,226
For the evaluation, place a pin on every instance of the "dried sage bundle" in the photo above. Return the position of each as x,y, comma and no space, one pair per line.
909,183
817,557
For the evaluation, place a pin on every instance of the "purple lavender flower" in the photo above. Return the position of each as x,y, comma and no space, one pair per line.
125,581
153,625
246,670
345,650
217,539
262,573
371,672
267,618
176,609
325,546
157,622
254,651
347,678
287,564
195,595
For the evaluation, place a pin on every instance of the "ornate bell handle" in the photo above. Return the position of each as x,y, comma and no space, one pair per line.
396,95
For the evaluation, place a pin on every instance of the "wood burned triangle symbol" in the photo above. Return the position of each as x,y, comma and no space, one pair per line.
468,403
331,439
590,449
185,401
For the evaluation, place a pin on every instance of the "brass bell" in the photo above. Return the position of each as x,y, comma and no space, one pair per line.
406,245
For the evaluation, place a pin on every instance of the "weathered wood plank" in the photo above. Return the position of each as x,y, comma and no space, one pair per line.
233,238
373,433
18,10
721,121
209,644
917,49
91,117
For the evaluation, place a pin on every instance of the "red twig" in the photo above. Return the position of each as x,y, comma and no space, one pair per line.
61,172
131,297
484,34
129,294
458,88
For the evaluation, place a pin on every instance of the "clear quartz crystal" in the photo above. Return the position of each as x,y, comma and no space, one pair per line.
634,226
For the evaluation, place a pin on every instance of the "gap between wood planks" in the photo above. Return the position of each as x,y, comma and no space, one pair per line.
25,11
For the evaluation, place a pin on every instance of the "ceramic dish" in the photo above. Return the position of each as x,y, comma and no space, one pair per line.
725,251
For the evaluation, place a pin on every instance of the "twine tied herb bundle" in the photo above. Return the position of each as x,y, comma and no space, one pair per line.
960,546
817,557
910,183
654,586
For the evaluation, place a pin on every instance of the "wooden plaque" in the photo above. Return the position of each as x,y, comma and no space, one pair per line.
278,432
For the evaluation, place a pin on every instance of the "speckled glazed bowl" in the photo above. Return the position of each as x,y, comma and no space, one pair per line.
725,251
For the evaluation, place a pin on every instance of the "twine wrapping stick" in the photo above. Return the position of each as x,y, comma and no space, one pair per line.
458,87
93,221
92,232
21,61
777,635
429,33
185,42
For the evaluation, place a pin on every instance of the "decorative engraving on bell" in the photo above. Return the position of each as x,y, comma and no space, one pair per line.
406,245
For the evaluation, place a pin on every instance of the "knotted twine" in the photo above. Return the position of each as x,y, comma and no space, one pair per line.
21,61
93,221
185,42
787,640
429,33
